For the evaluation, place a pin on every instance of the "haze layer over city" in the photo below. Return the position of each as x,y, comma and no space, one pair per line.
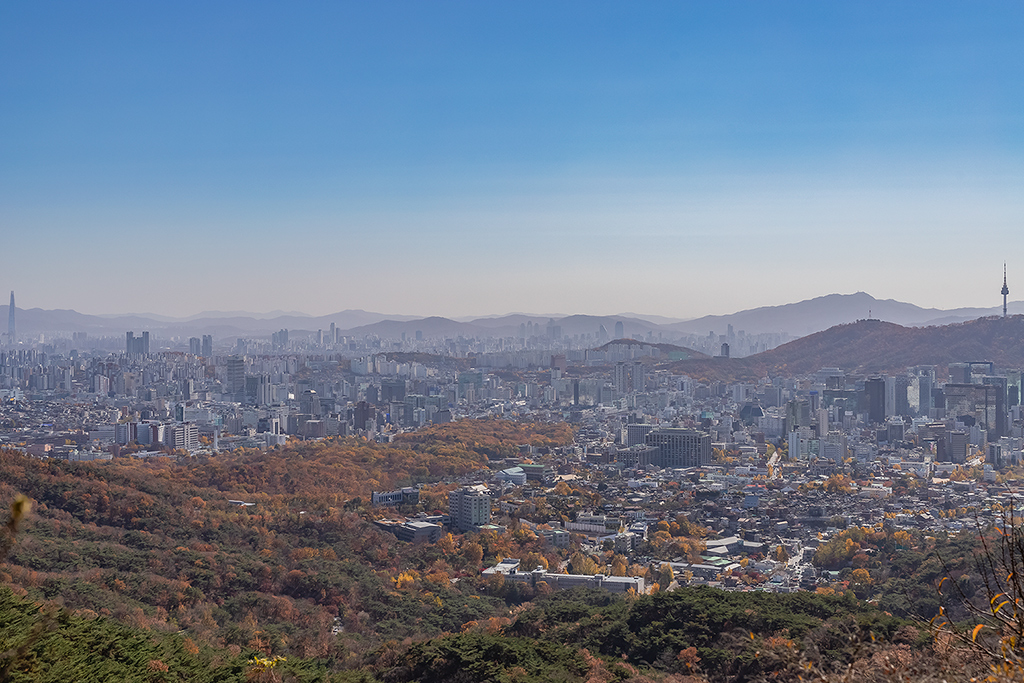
658,342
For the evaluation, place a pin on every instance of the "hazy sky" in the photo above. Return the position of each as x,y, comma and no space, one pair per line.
444,158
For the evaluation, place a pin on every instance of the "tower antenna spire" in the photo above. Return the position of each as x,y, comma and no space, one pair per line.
1005,290
12,331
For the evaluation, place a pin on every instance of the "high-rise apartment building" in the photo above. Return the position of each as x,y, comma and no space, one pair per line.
392,390
126,432
137,346
309,403
629,377
925,378
195,347
184,435
258,390
957,446
633,434
798,414
874,390
469,508
361,414
995,416
681,447
235,377
959,373
207,346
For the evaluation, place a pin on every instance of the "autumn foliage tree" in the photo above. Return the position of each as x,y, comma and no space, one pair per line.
155,544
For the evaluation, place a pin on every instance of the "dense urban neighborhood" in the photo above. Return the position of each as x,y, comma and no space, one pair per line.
667,480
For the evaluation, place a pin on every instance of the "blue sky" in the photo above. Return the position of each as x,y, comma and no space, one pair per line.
463,158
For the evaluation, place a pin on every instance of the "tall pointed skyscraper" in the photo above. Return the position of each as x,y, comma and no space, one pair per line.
1005,291
10,319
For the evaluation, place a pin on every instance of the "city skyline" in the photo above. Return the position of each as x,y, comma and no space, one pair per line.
459,160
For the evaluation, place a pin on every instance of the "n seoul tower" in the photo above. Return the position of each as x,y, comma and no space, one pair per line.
1005,290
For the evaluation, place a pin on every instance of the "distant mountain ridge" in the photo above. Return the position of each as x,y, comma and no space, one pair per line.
821,313
797,319
37,320
665,349
874,346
